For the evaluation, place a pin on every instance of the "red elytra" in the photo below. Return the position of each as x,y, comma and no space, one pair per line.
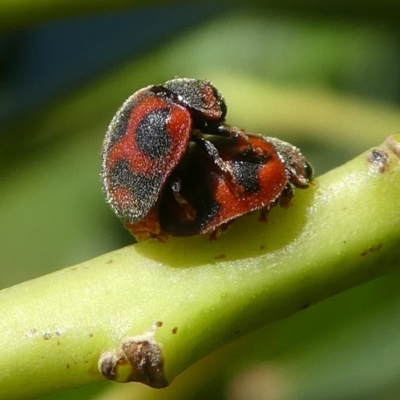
147,138
172,166
135,163
198,197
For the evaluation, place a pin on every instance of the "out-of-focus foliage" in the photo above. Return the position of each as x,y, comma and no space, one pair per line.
328,84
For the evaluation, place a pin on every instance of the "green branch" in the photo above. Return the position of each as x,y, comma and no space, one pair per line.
148,311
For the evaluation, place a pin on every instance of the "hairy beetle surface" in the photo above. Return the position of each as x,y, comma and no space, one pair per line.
171,165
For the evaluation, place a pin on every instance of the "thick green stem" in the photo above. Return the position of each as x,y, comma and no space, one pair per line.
148,311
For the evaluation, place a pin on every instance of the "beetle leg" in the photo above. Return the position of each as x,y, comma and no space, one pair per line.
286,196
218,231
231,132
148,227
224,130
176,185
264,213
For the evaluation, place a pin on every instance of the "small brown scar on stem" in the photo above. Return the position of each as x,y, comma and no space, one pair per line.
378,159
174,330
110,261
371,249
137,359
220,257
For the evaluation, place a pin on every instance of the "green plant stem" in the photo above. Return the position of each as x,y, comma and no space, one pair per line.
189,296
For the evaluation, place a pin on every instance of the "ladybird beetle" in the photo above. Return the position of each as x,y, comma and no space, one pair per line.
199,199
172,166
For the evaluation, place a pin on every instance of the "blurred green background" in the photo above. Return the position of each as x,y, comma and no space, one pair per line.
323,76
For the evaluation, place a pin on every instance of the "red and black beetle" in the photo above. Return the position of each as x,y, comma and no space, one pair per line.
263,171
171,165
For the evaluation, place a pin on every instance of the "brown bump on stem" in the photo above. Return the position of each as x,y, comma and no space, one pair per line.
137,359
174,330
146,361
393,145
378,159
108,363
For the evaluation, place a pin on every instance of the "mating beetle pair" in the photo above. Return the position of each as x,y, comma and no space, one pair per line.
172,166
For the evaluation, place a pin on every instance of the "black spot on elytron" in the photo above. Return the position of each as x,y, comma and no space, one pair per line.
245,167
208,210
144,188
152,136
119,124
